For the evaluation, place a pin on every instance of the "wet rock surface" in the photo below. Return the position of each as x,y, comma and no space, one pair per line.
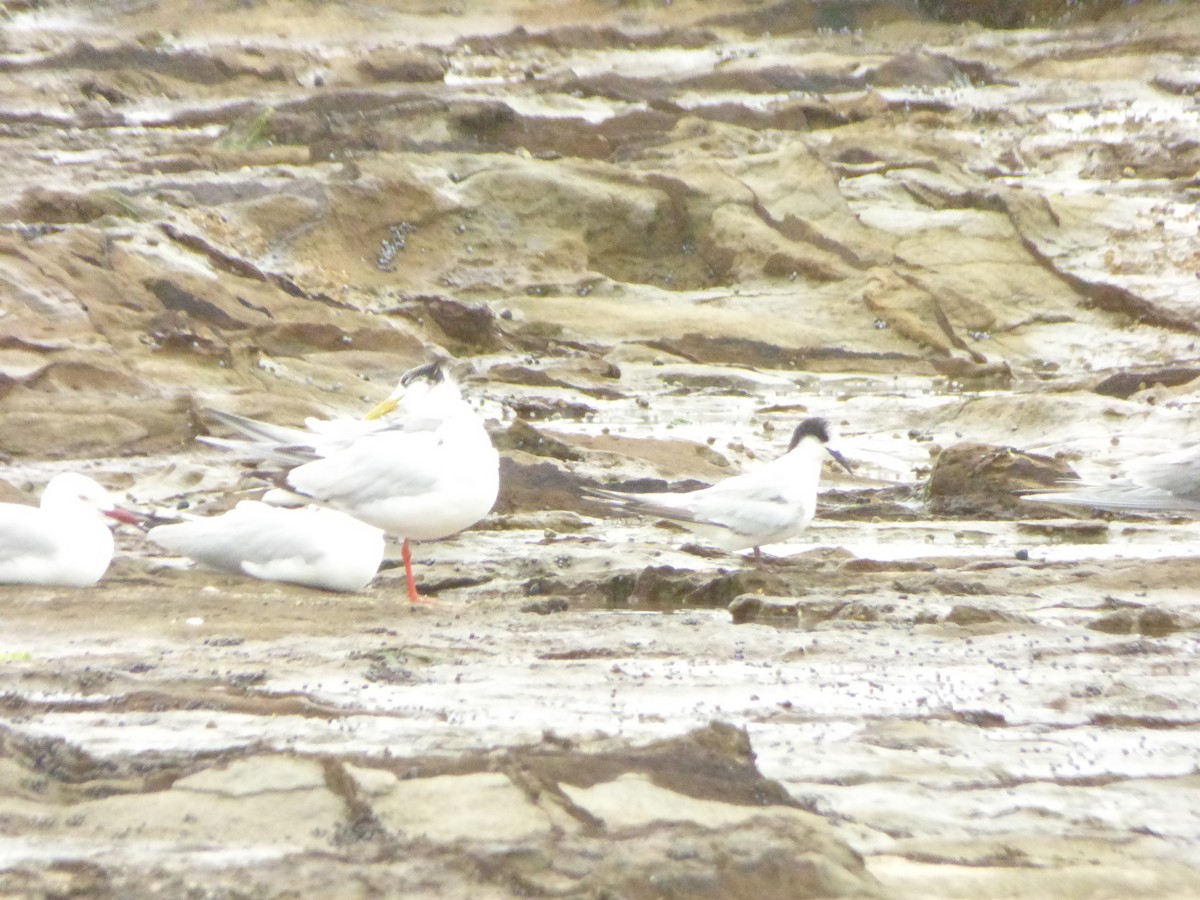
659,235
535,820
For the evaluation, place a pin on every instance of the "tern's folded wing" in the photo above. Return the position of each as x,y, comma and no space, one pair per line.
1177,478
258,534
385,465
745,507
1119,496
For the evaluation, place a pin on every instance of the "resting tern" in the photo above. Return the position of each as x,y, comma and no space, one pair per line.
316,547
63,541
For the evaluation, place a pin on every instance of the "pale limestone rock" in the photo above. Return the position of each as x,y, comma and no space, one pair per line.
483,806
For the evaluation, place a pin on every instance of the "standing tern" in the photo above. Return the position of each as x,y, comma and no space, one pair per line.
63,541
769,504
421,468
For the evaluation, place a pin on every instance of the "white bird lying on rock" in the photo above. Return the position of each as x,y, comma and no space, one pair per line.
427,471
769,504
63,541
320,548
1167,482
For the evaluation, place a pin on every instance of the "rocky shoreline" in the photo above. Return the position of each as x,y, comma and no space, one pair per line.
659,236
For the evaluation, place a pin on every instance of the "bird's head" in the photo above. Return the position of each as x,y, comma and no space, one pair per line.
72,491
431,382
817,431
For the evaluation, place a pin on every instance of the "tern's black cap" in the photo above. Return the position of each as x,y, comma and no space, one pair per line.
431,372
814,427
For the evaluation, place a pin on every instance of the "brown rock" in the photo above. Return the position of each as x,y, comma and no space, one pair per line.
63,374
561,376
1014,14
523,436
982,479
724,589
915,69
682,465
887,565
760,353
405,64
466,327
663,587
1126,384
553,408
757,608
526,486
62,207
961,614
204,303
1073,532
933,320
92,423
666,587
1149,622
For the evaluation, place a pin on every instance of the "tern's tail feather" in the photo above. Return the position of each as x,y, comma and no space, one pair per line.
257,431
288,455
643,504
1127,498
261,439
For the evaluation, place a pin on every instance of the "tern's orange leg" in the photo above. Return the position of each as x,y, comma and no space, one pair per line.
406,554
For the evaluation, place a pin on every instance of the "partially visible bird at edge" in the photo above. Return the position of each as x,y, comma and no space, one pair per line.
1165,482
65,540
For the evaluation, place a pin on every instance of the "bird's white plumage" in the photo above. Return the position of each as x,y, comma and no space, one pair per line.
1166,482
424,469
316,547
420,485
772,503
63,541
427,471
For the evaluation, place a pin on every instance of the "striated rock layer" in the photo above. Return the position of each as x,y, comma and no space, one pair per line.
657,236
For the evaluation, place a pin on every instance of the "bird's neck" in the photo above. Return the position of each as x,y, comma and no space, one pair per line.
804,460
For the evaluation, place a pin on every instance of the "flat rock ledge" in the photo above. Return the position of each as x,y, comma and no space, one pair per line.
686,817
